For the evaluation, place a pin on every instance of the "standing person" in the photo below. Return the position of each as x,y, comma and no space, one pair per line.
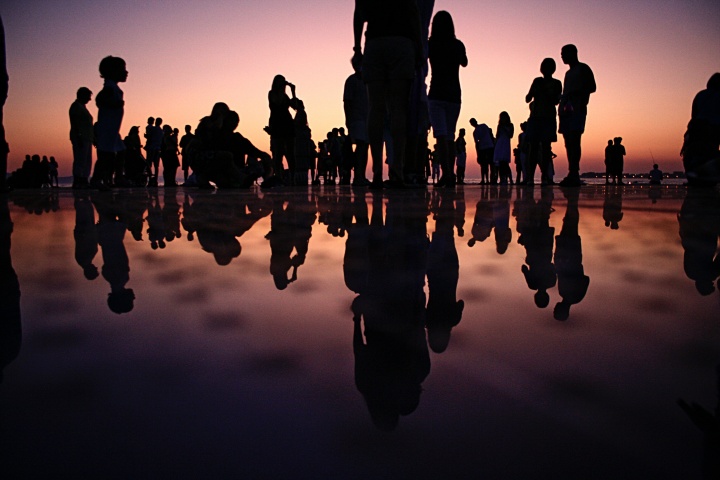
446,54
54,173
618,160
701,146
355,104
169,156
655,175
153,146
541,130
608,161
4,148
393,49
461,149
81,137
281,126
484,147
111,107
579,84
184,142
502,153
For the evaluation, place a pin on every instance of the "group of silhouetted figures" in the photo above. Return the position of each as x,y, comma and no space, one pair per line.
35,173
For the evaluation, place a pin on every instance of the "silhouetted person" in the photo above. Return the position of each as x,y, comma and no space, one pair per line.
54,173
503,152
484,147
291,229
608,160
356,106
10,327
655,175
4,148
446,54
571,279
111,107
111,228
393,49
281,126
483,222
701,148
612,207
541,129
304,145
153,146
699,221
86,235
184,142
169,156
538,238
81,137
617,163
443,311
461,153
135,164
578,85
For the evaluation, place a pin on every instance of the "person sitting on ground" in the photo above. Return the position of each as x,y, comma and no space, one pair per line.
656,175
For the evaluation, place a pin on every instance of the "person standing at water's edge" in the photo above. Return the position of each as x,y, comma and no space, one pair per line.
579,84
111,107
81,137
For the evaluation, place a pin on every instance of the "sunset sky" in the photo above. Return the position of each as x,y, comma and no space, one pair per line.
649,57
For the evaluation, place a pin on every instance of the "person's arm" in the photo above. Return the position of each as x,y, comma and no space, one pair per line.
463,54
358,26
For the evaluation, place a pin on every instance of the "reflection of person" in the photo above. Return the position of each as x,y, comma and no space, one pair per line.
612,207
85,233
699,221
393,48
111,228
10,328
579,84
81,137
111,107
571,279
701,149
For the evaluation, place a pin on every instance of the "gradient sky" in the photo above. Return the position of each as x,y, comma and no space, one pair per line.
649,57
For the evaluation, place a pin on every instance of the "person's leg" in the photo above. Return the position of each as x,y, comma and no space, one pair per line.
398,97
572,147
377,92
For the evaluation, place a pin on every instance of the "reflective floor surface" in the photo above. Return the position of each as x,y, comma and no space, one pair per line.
481,333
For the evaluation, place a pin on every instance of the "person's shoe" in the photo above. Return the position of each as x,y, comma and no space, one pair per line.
570,182
376,185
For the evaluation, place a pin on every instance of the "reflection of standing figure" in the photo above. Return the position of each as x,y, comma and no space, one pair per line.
291,229
443,310
538,237
612,207
111,229
699,220
483,221
501,219
571,279
86,235
10,328
392,360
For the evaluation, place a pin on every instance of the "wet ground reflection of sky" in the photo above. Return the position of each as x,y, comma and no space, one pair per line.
341,334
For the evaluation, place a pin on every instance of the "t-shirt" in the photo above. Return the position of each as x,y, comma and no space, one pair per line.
445,57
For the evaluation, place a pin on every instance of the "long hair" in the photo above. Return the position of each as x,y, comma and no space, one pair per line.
443,27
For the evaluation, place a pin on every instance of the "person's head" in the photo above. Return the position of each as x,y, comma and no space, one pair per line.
113,68
188,128
569,54
610,142
134,131
504,118
714,82
473,122
461,132
655,166
561,311
83,95
442,26
232,120
617,140
219,111
90,272
45,159
547,67
158,121
278,84
121,301
151,120
167,130
542,299
341,131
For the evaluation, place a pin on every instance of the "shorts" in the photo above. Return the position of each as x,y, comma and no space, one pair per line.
358,131
443,117
573,122
388,58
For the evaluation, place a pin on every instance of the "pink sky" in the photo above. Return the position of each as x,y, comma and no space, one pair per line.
649,57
